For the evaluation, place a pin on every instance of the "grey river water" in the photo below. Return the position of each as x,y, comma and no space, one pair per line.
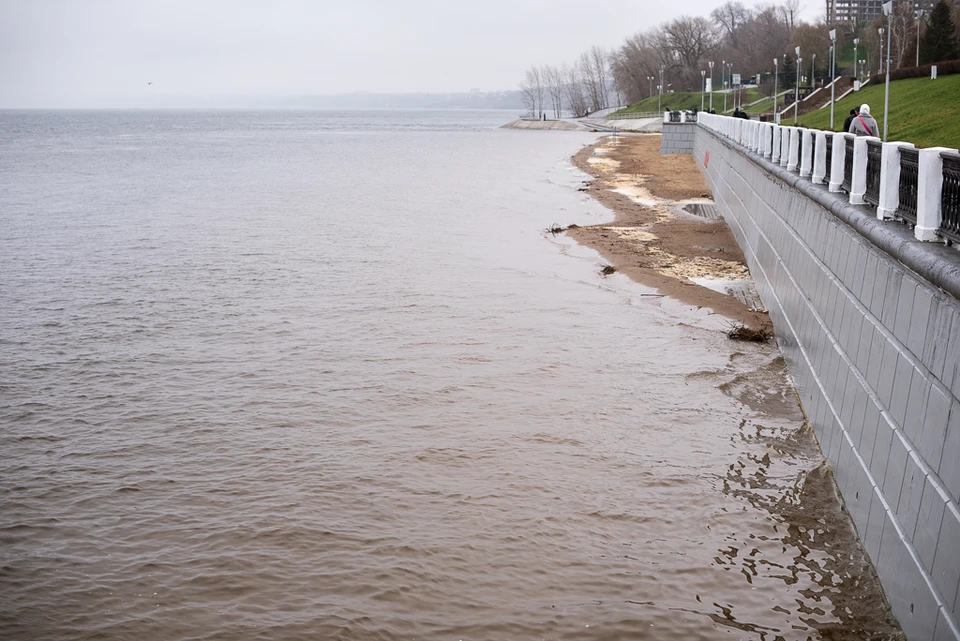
308,375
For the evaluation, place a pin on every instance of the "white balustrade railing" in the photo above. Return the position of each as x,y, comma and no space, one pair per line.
805,152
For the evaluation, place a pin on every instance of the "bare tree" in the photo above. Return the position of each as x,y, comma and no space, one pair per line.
592,65
634,63
554,80
731,17
599,60
690,39
574,91
790,9
532,91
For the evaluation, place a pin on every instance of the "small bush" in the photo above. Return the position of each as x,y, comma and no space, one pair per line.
944,68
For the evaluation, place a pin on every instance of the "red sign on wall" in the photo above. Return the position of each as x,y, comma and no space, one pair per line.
706,159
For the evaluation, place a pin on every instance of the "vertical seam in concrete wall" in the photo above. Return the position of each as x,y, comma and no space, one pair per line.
722,198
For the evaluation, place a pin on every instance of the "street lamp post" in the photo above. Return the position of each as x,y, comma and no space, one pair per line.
660,88
856,41
919,14
723,83
776,73
703,86
887,9
813,71
880,30
650,79
833,78
796,90
710,64
729,66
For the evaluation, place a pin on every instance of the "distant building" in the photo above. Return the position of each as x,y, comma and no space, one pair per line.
858,12
853,12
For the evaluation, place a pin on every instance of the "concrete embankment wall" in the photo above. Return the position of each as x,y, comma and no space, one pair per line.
677,139
868,319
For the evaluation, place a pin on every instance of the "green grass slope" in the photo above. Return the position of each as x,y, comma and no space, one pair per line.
683,100
670,101
923,111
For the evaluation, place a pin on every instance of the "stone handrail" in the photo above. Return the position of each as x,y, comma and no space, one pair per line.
803,150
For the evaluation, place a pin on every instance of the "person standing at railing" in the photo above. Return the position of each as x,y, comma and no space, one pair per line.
864,124
846,123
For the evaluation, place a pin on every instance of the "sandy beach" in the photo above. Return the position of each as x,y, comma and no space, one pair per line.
653,239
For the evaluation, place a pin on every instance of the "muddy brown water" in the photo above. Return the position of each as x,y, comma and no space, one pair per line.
306,376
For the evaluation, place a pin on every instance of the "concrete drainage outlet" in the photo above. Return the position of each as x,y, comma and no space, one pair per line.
707,211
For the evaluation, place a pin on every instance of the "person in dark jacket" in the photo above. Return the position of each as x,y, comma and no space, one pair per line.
846,123
864,124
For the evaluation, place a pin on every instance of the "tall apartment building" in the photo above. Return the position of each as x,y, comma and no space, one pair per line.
863,12
853,12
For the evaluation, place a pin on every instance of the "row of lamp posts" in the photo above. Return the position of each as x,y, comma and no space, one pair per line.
887,11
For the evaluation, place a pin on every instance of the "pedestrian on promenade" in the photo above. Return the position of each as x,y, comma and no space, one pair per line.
846,123
864,124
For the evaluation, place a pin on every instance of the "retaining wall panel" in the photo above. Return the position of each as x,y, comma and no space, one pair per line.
927,532
876,522
860,491
868,286
871,424
932,439
867,331
911,494
891,298
878,301
949,470
908,290
955,375
894,472
919,321
913,420
944,632
939,330
946,563
901,389
881,451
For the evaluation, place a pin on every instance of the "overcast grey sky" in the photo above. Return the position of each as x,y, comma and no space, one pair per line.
76,53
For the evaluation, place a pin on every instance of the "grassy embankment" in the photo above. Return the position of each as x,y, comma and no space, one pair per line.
925,112
684,100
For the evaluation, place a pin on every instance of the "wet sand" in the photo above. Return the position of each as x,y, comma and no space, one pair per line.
651,240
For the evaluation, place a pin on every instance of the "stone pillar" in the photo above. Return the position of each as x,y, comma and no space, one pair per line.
806,157
890,179
683,116
785,145
819,157
775,149
666,117
929,188
793,162
858,181
836,161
